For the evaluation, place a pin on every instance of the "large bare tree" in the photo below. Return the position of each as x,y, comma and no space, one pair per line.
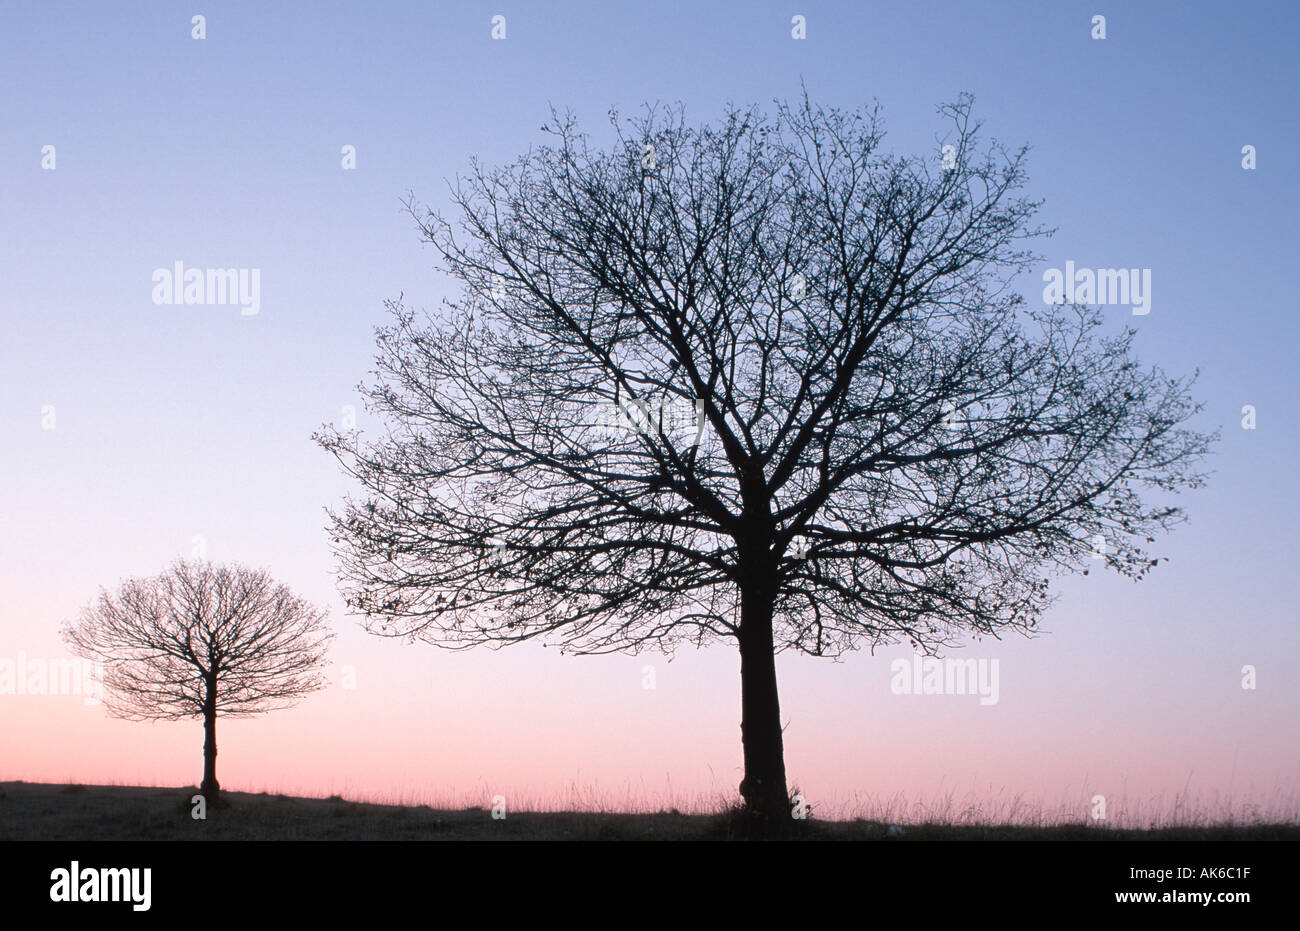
202,641
834,422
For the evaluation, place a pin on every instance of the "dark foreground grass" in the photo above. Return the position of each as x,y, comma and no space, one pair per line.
35,811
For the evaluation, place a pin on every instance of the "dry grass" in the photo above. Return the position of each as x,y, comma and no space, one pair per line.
33,811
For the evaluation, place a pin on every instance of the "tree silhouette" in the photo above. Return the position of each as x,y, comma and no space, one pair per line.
758,381
200,641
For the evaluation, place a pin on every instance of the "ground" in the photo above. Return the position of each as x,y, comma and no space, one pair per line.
36,811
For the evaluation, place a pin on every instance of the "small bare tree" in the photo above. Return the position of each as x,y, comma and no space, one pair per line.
200,641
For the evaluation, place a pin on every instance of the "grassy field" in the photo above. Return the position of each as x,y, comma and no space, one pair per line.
35,811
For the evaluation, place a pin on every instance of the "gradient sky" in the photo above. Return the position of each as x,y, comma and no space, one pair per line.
177,422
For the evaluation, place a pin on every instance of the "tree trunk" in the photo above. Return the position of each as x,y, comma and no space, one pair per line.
763,787
210,787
